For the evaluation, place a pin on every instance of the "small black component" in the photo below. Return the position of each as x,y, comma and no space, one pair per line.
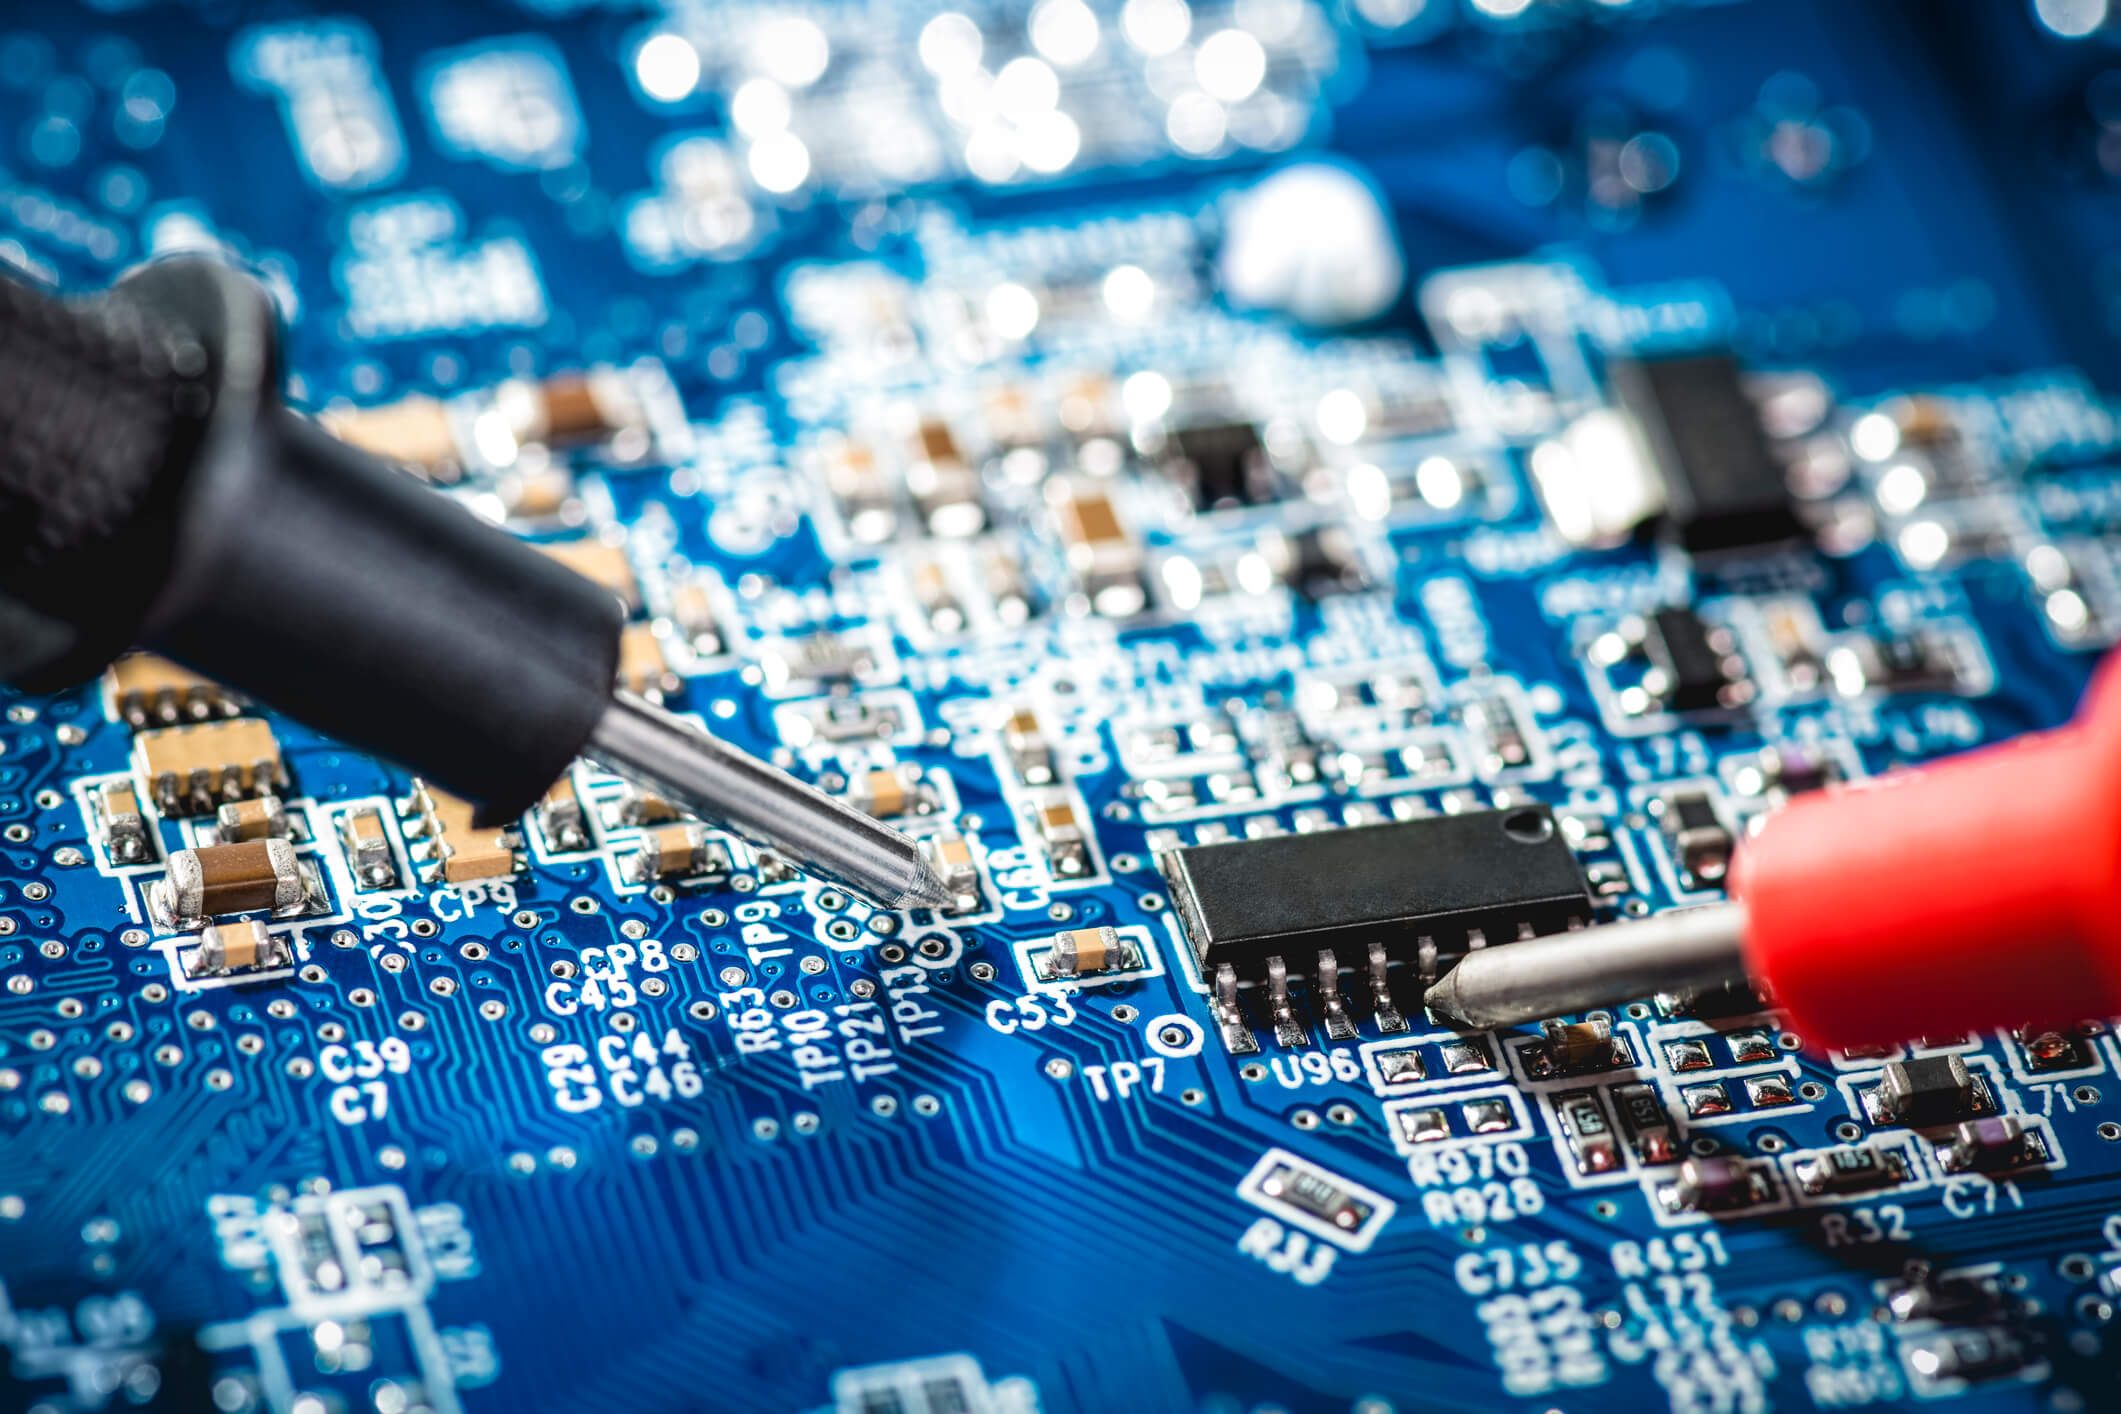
1440,877
1322,563
1226,462
1921,660
1927,1090
1698,837
1588,1132
1969,1353
1953,1299
1690,661
1724,487
1793,768
1311,1192
1680,663
1646,1121
1715,1004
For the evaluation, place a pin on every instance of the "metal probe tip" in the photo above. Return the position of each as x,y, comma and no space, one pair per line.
1686,950
726,786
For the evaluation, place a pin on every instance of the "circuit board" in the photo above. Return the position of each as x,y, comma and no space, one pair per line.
1273,495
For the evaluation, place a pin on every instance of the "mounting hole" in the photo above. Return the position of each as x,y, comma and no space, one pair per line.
1528,826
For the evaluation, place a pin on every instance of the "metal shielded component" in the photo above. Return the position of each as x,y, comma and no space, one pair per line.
215,880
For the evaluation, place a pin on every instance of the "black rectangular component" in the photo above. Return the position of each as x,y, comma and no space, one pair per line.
1692,667
1439,877
1229,464
1724,487
1323,563
1928,1090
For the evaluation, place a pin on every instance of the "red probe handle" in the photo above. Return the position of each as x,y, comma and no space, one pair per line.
1981,891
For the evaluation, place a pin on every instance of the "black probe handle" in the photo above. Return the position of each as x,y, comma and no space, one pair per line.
154,490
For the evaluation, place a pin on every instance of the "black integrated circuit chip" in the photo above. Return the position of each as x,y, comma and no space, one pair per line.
1440,877
1693,669
1725,489
1228,464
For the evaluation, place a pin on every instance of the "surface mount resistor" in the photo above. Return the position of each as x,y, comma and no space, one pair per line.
1587,1131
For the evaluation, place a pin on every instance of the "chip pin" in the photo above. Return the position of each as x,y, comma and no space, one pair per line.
1339,1025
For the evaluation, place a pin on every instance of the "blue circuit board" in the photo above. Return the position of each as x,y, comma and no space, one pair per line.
1078,433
